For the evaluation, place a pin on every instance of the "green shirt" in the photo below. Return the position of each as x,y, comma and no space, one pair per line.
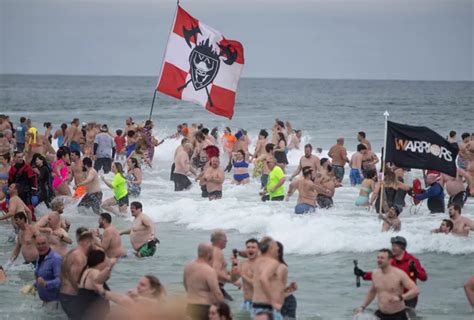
120,186
273,178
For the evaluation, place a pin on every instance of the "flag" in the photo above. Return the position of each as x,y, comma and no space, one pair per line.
419,147
201,66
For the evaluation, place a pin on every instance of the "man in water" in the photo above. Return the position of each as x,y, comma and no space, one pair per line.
306,192
201,284
183,168
261,143
269,281
246,272
16,204
219,242
214,178
104,150
356,175
276,179
73,136
338,154
455,187
263,158
391,222
392,287
461,225
434,194
404,261
110,239
72,267
93,198
308,160
463,155
361,138
47,273
446,227
78,173
142,233
25,241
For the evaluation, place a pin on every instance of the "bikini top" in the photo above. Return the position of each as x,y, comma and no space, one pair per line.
241,164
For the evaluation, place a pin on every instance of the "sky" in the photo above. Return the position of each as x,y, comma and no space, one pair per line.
328,39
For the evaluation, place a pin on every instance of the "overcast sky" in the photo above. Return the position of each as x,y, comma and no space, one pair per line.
355,39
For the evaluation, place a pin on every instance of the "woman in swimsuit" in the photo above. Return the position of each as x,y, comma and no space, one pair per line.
241,168
90,302
60,172
368,184
60,134
280,151
134,177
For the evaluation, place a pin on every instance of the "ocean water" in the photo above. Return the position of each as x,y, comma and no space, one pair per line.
319,247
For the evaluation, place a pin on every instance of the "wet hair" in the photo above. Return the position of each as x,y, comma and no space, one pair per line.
87,162
323,161
223,310
449,224
465,135
263,133
452,134
136,205
119,168
106,216
95,257
362,134
361,147
370,174
20,216
264,244
269,147
76,152
118,132
456,207
388,251
281,253
205,131
251,240
135,162
155,284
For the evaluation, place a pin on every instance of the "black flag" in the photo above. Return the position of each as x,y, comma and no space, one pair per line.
419,147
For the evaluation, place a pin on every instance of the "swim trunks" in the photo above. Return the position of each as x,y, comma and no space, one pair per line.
402,315
204,193
288,310
302,208
241,177
324,202
215,194
181,182
104,164
459,199
69,305
74,146
338,172
198,311
262,307
122,201
92,200
355,177
148,249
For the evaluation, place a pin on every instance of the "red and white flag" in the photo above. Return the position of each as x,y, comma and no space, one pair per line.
201,66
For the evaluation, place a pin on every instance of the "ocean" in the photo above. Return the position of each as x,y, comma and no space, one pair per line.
320,247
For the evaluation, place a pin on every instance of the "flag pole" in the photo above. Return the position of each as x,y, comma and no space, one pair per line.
152,104
386,114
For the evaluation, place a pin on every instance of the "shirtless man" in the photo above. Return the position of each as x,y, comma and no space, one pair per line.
111,241
246,272
391,222
78,173
306,192
57,236
355,175
57,207
72,267
142,233
454,186
91,132
93,198
201,284
369,161
392,286
269,279
16,205
338,154
463,155
461,225
219,242
261,143
73,136
308,160
326,184
25,242
295,140
361,138
446,227
214,178
183,168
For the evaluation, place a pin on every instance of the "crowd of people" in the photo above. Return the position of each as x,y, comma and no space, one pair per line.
32,171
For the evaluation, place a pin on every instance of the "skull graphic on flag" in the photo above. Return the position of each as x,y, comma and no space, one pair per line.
201,66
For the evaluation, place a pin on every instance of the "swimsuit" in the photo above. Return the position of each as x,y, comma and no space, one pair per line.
181,182
263,307
148,249
215,194
92,200
363,200
402,315
74,146
134,190
302,208
338,172
355,177
280,157
63,173
91,304
324,202
241,176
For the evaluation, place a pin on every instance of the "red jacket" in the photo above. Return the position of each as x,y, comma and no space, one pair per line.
403,264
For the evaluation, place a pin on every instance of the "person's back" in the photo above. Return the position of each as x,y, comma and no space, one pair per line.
198,289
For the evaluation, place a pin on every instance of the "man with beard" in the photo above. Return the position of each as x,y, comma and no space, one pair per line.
110,239
461,225
308,160
246,272
93,197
